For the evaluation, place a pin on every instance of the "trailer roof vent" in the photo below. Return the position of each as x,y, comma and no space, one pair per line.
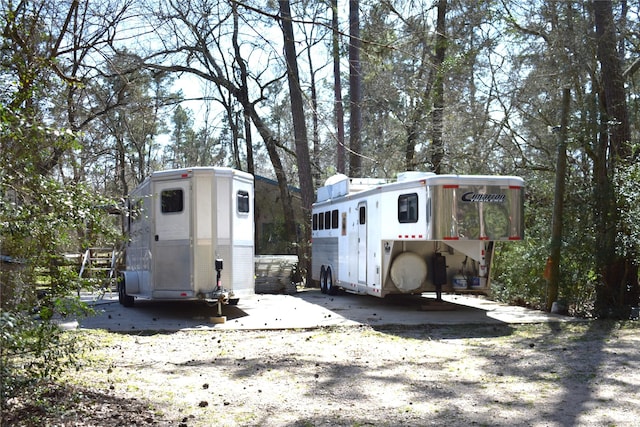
334,179
334,186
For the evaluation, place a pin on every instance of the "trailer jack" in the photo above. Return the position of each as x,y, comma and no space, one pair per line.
220,301
221,294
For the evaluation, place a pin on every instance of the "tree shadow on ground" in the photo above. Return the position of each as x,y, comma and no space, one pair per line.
54,404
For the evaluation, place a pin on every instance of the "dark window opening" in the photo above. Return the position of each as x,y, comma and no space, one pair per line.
362,215
321,221
171,201
315,221
327,220
243,201
408,208
334,218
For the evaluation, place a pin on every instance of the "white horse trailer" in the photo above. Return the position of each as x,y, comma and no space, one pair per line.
182,224
421,233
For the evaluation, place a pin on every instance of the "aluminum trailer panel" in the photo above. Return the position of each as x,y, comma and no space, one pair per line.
180,222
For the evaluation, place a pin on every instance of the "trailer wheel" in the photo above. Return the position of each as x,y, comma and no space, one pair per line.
323,280
331,290
123,298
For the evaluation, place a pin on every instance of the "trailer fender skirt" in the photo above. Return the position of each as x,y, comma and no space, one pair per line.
408,271
131,282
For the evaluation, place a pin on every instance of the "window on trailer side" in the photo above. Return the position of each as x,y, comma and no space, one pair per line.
242,199
171,201
408,208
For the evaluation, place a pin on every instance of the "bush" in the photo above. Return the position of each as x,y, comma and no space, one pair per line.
33,349
40,219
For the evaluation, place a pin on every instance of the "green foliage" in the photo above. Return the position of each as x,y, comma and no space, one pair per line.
628,194
41,217
517,273
33,349
518,268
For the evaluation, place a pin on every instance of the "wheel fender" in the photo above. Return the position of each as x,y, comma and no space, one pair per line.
132,282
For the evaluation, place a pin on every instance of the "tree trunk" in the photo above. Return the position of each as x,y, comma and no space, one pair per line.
272,149
299,130
355,85
558,204
314,119
617,275
251,168
437,144
612,79
244,92
297,109
337,89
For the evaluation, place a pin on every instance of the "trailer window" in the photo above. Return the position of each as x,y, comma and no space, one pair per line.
171,201
315,221
243,201
321,221
362,215
327,220
408,208
334,218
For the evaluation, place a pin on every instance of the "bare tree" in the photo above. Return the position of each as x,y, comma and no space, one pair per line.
299,125
337,89
437,144
244,91
355,90
194,41
297,108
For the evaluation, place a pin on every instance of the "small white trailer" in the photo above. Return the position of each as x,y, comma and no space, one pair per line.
182,225
421,233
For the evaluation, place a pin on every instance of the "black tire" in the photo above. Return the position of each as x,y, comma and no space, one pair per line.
331,288
323,280
123,298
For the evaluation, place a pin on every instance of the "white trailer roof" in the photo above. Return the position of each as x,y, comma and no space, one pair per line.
341,185
512,181
172,173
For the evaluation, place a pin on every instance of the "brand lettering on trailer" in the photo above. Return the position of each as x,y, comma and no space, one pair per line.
470,196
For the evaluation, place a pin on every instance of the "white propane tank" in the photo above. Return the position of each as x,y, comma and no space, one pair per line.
408,271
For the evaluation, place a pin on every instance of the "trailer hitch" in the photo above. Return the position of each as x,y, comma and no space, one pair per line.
220,295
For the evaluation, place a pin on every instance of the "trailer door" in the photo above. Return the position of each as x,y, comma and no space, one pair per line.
172,254
362,243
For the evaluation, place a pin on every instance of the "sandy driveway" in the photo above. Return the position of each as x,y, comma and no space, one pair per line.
350,361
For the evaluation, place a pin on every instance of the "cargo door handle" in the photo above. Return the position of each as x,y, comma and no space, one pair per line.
156,238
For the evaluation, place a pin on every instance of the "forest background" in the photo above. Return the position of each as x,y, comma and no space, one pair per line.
97,95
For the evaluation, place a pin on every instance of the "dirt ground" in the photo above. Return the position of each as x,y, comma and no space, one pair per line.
573,374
